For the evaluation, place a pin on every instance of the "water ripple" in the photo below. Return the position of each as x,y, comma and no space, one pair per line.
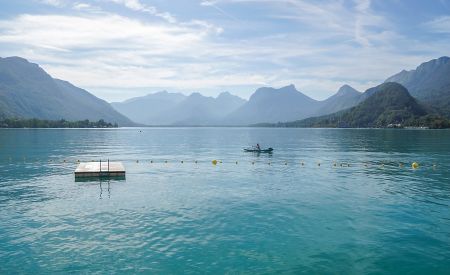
362,210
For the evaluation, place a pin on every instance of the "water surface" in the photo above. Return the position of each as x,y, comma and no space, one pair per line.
363,210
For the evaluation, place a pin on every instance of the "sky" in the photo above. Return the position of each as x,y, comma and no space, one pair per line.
118,49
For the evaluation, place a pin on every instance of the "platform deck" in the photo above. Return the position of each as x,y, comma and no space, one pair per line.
95,169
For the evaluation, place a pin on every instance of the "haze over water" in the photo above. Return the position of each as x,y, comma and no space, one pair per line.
284,217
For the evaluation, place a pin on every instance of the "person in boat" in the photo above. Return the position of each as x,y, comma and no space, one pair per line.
257,146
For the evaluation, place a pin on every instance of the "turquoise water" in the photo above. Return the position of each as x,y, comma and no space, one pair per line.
366,215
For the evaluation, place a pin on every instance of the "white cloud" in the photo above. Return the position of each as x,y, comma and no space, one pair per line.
329,44
439,25
83,6
54,3
136,5
208,3
96,32
106,50
357,23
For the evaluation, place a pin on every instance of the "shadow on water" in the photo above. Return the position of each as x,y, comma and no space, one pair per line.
259,154
100,179
104,183
108,189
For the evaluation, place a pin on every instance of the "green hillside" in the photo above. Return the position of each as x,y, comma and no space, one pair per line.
389,105
27,91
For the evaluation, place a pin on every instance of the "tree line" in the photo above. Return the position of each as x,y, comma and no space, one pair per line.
62,123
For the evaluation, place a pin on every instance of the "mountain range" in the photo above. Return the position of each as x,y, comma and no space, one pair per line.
419,97
387,104
27,91
165,108
149,109
429,82
266,104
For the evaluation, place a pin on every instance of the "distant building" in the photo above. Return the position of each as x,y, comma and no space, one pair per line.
395,125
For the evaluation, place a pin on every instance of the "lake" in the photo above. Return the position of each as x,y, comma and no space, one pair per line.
327,201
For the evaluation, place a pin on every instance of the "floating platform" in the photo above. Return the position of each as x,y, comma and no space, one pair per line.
100,169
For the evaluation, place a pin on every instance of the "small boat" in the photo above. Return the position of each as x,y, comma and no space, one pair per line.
255,150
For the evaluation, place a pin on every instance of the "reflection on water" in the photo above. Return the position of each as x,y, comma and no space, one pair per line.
99,179
362,210
101,189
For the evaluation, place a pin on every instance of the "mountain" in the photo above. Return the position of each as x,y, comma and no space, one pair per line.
197,109
265,105
273,105
148,109
165,108
388,103
345,98
429,82
27,91
228,103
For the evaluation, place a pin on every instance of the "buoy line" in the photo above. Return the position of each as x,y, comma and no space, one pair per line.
414,165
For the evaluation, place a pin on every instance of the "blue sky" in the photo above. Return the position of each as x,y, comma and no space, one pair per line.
119,49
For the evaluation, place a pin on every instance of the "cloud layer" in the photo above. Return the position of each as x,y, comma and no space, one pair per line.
123,48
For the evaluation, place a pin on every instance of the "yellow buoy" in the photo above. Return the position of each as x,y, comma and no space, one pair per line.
214,162
415,165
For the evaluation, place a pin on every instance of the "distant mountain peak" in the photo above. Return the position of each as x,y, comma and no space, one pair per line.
224,94
229,96
344,98
196,95
432,64
290,87
163,92
444,59
392,85
16,59
346,89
